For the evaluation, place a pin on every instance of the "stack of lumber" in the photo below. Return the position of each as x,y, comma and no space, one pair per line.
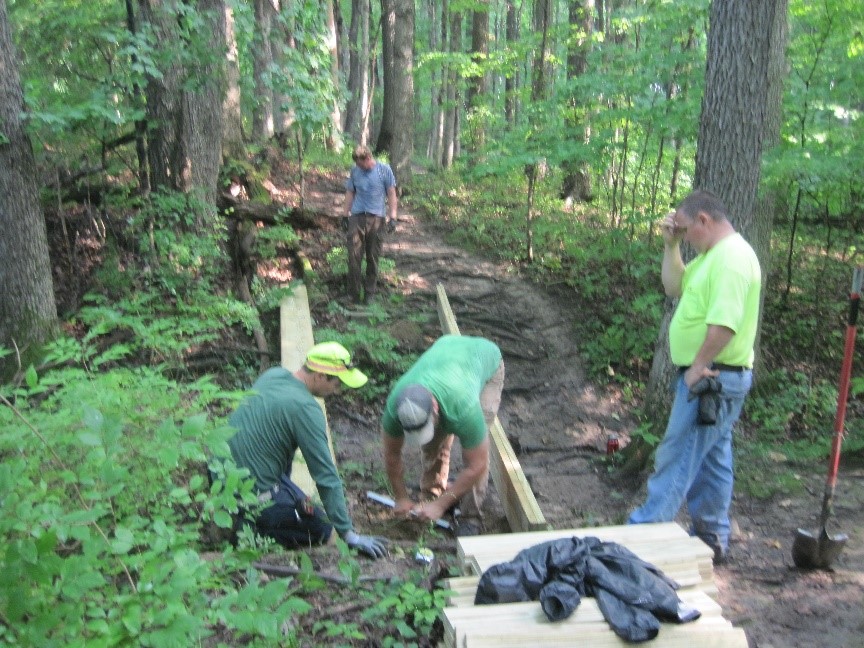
686,560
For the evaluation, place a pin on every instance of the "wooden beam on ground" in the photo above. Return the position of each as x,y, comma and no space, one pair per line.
295,332
520,506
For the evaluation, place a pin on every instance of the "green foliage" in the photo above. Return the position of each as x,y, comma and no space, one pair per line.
375,350
104,494
406,608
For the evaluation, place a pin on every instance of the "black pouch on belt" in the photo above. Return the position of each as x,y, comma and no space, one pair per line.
707,390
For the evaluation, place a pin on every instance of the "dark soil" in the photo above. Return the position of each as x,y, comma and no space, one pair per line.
558,422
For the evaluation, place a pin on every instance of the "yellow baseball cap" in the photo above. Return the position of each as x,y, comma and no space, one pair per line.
333,359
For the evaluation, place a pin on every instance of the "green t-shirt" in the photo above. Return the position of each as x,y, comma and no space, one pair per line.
455,369
719,287
280,416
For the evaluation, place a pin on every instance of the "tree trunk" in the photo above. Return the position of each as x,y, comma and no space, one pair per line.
435,149
28,314
334,137
745,44
138,101
388,104
451,105
511,82
402,146
576,186
356,125
478,85
202,122
184,106
263,124
232,116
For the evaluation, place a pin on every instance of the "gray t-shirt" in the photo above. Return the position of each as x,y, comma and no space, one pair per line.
370,188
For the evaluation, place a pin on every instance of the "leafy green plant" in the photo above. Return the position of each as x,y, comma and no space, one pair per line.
407,608
104,493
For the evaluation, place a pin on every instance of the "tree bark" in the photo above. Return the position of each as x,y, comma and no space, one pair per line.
232,117
402,146
184,106
511,82
28,313
263,121
388,72
576,186
450,139
356,124
745,45
478,85
334,137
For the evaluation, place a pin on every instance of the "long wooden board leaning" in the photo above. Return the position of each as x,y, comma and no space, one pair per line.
666,545
295,332
520,506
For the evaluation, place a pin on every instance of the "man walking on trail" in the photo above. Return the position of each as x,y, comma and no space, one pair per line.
452,391
711,339
280,417
366,188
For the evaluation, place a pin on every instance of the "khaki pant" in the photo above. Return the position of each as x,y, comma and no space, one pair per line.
436,453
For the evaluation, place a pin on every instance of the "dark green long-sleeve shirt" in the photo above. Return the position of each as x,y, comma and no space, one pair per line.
280,416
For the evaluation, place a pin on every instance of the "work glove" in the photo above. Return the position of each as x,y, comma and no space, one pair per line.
372,546
707,390
391,226
345,220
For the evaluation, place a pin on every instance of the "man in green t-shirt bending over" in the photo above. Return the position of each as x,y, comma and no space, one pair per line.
452,391
280,417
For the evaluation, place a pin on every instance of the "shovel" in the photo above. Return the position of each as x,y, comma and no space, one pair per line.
819,551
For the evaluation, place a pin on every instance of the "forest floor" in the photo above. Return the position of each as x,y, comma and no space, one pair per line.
558,422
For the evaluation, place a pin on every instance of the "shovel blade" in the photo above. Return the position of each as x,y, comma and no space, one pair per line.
816,552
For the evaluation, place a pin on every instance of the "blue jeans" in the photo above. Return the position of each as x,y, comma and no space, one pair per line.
695,462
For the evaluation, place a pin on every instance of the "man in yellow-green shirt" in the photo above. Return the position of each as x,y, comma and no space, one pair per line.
711,339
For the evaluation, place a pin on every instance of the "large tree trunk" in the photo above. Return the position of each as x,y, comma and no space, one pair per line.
232,116
334,136
511,82
745,44
202,123
184,106
388,104
263,119
356,123
450,140
437,42
576,186
402,146
478,86
28,314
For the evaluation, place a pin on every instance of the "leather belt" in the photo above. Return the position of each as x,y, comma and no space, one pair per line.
719,366
368,214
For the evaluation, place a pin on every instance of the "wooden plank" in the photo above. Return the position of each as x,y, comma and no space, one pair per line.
520,506
521,624
296,338
488,550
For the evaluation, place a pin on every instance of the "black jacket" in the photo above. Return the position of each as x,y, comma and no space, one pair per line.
632,595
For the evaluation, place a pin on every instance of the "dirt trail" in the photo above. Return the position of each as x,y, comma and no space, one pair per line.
559,422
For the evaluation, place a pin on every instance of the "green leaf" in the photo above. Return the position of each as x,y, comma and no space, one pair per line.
123,541
31,377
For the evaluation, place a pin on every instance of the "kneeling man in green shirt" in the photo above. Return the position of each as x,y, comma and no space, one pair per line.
280,417
452,391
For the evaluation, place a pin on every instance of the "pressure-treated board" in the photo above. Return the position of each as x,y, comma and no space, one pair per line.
295,332
666,545
520,506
